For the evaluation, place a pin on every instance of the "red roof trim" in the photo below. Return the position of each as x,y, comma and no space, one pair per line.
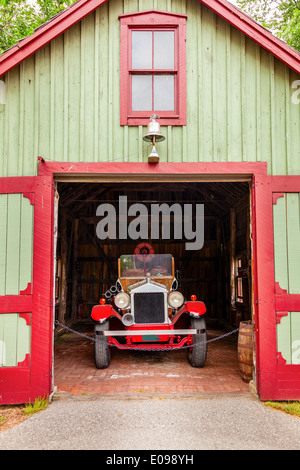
76,12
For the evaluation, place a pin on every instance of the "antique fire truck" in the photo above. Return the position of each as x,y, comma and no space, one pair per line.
145,309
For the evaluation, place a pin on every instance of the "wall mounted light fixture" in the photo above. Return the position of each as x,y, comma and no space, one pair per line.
153,135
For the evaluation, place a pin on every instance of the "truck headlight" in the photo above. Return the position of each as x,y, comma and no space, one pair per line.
122,300
175,299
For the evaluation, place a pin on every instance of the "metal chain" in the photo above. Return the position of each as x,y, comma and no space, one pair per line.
123,346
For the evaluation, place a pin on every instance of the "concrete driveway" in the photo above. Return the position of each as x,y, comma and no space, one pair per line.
175,423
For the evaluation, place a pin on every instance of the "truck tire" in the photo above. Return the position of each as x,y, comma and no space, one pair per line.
102,349
197,353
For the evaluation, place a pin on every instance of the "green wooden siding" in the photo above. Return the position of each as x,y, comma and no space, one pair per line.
15,339
63,103
288,337
16,243
286,214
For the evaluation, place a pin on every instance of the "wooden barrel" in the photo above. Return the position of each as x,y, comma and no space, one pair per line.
245,350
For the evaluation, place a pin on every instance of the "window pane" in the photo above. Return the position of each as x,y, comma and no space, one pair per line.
164,50
164,93
141,92
142,49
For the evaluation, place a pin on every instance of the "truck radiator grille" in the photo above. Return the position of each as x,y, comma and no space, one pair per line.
149,308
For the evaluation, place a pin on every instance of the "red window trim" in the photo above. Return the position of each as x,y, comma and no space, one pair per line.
153,19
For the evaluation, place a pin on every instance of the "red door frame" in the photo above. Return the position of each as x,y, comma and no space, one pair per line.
32,378
288,375
263,271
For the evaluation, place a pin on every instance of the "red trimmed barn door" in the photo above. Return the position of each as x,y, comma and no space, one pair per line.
26,323
276,234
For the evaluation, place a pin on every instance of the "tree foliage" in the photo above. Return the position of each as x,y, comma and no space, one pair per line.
19,18
282,17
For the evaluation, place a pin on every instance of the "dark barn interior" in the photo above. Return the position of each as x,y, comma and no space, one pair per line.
219,274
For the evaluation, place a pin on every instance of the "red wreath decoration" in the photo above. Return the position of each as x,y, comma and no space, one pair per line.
144,251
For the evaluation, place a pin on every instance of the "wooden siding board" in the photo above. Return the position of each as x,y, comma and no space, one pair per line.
111,82
2,343
236,121
286,213
57,97
273,129
250,103
64,151
219,94
115,130
258,102
23,340
205,86
27,163
295,337
96,84
70,16
103,84
74,92
22,120
293,157
200,88
131,5
286,242
43,101
10,339
87,73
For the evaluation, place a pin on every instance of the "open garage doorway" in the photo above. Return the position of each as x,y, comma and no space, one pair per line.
219,274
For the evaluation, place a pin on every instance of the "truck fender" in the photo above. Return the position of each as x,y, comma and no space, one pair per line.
195,308
101,313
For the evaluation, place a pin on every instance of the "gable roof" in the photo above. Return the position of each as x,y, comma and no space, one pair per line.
79,10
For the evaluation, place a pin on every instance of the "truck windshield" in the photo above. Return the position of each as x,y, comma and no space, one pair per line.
141,265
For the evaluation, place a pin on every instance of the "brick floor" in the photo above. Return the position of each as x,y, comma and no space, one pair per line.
145,372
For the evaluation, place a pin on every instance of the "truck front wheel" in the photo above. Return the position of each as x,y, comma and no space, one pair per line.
102,349
197,353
